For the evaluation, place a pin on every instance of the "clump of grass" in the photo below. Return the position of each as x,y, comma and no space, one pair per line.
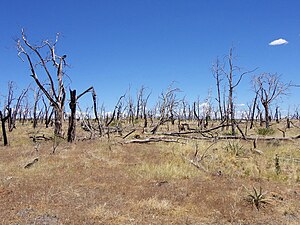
257,198
265,131
235,148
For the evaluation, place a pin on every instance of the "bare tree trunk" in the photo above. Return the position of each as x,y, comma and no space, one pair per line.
145,118
48,119
277,114
253,110
197,115
72,117
267,121
47,115
3,120
95,111
230,95
9,119
288,122
218,82
34,116
58,122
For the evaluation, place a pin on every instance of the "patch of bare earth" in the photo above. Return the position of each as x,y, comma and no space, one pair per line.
97,182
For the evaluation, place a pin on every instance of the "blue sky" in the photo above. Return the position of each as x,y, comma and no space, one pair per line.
115,44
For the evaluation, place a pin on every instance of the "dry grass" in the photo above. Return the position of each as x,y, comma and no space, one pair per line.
106,182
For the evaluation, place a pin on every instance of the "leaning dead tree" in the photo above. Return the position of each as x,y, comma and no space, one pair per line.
42,59
269,87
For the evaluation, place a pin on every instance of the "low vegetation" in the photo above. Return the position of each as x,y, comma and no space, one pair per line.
113,181
265,131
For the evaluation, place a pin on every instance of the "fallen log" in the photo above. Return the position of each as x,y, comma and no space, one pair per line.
42,137
152,139
195,131
230,137
28,165
129,133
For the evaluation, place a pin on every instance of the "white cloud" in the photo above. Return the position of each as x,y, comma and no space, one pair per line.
279,41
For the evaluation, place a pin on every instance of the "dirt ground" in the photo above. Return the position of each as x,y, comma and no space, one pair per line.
109,182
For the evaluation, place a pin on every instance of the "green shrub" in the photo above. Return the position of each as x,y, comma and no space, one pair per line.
265,131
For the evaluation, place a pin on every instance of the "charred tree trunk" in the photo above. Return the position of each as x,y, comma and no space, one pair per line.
267,118
231,105
34,115
9,119
3,120
197,115
260,119
145,116
288,123
96,113
48,119
72,117
253,111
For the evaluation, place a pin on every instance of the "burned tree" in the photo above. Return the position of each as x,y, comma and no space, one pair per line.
13,105
217,75
36,97
48,112
269,87
72,118
3,119
252,109
234,77
44,57
167,107
142,105
139,103
94,95
17,109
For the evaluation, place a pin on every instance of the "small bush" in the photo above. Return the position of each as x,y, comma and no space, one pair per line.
265,131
